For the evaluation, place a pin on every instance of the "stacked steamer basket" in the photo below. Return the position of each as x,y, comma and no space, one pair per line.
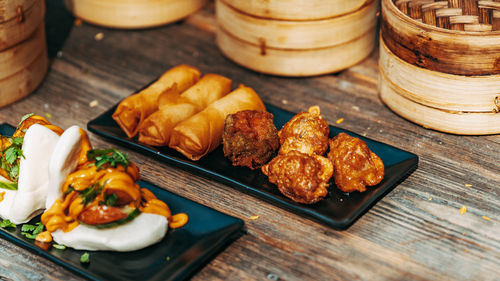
296,37
132,13
440,63
23,55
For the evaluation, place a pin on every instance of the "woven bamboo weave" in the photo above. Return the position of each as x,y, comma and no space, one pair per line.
465,15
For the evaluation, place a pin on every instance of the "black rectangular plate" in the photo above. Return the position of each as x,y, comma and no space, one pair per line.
338,210
181,252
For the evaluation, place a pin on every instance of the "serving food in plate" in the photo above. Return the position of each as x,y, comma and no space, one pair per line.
94,202
91,196
24,179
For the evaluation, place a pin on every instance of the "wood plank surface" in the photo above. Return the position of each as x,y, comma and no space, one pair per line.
414,233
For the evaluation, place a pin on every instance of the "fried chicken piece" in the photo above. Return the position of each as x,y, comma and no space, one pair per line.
306,132
250,138
355,165
300,177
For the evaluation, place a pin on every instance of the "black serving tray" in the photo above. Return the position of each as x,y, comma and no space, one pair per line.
181,252
338,210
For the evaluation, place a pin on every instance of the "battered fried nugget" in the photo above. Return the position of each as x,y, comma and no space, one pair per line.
250,138
355,165
306,132
300,177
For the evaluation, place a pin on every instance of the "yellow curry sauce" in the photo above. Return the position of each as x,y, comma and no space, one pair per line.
66,213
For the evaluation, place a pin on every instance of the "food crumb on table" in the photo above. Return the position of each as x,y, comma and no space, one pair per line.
430,198
340,120
99,36
463,209
253,217
78,22
48,115
468,185
94,103
485,218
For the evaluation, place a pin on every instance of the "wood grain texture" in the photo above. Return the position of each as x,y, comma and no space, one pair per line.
439,49
405,236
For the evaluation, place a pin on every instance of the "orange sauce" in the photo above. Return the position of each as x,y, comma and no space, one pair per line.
2,194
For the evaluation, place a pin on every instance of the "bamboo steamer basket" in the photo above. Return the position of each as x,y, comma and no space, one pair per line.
296,9
296,48
454,36
23,48
467,105
440,63
18,20
131,14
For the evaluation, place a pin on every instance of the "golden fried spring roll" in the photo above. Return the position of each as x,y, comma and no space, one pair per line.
202,133
134,109
157,128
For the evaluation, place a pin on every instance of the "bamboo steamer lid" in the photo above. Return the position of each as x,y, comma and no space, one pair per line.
444,102
18,20
296,63
296,9
131,14
288,34
296,48
455,36
27,78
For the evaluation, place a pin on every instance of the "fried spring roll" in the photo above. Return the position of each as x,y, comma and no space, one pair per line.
202,133
134,109
157,128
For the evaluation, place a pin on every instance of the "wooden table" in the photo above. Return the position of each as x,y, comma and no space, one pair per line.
415,233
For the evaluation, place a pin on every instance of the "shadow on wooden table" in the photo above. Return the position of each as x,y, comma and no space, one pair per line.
58,24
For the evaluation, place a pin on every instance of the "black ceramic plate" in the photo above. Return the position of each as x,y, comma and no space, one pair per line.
181,252
338,210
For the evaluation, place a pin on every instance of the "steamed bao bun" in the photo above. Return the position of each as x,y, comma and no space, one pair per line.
21,205
146,229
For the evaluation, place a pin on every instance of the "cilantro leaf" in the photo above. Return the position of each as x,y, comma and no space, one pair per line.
27,227
31,231
85,258
7,224
110,156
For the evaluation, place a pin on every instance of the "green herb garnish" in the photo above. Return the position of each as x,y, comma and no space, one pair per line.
69,190
7,224
26,116
89,194
10,157
8,185
59,247
85,258
31,231
111,199
110,156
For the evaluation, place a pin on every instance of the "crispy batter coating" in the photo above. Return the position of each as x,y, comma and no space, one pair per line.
250,138
300,177
306,132
355,165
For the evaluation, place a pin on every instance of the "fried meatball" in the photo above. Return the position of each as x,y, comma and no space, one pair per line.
355,165
306,132
300,177
250,138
